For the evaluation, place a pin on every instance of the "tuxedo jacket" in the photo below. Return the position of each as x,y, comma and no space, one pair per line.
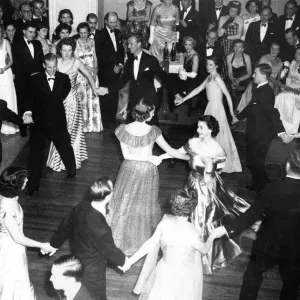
263,119
19,24
288,53
24,64
143,86
279,234
83,294
107,56
280,29
41,20
253,45
47,106
91,238
211,16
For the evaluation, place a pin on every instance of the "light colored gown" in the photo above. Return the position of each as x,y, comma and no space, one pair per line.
216,109
134,209
164,29
75,128
215,203
7,91
178,274
90,104
14,277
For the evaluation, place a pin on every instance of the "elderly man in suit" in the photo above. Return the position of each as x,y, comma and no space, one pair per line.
260,36
278,240
91,237
267,3
292,43
26,17
37,13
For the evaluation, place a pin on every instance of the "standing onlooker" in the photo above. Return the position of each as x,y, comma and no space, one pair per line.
26,16
65,16
251,16
215,11
267,3
42,33
231,26
7,87
96,246
62,31
37,13
292,42
10,31
90,105
66,276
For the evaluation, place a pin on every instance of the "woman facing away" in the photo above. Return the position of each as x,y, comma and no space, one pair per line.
85,51
135,211
215,88
215,201
178,274
70,65
14,277
7,86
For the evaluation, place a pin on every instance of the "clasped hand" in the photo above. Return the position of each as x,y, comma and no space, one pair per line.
27,119
155,160
178,100
48,249
126,266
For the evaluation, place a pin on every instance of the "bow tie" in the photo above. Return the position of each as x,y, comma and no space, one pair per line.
218,8
92,34
289,19
51,78
136,58
209,47
184,10
29,42
264,24
111,31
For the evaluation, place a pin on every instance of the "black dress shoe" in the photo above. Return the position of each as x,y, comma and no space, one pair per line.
23,130
250,188
172,164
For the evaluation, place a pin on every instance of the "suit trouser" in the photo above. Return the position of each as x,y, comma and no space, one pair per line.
61,139
257,151
262,262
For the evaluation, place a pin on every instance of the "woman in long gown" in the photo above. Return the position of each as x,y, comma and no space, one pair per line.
164,20
178,274
69,65
14,277
215,88
90,103
135,211
215,201
7,87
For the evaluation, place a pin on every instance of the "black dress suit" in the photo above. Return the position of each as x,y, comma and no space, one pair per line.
211,17
19,25
288,53
263,123
49,117
278,240
93,243
24,66
254,46
83,294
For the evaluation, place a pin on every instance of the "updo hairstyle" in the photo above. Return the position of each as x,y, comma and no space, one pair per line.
141,112
66,42
211,123
183,202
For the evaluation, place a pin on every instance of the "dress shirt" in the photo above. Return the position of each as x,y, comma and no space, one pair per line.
218,11
136,65
288,23
39,18
263,31
113,38
92,35
186,12
209,51
30,46
50,82
261,84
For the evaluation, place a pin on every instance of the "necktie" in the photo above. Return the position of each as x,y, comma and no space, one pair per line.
218,8
111,31
264,24
51,78
209,47
289,19
29,42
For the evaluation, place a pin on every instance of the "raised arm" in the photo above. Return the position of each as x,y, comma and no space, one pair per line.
239,33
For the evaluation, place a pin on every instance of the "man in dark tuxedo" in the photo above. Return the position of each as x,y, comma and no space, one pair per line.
263,123
28,60
278,240
91,238
111,59
26,17
45,109
216,10
189,24
260,36
267,3
37,16
288,20
292,43
140,70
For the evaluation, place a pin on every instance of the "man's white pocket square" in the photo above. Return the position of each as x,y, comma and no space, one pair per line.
147,69
190,20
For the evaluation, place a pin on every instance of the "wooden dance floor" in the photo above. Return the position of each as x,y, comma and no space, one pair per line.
57,196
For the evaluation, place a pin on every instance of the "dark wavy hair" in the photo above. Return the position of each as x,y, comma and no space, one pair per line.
83,25
100,189
141,112
248,3
217,61
211,123
72,266
62,27
41,26
183,202
11,181
65,42
65,11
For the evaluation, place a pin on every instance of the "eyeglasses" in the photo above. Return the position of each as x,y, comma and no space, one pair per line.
26,11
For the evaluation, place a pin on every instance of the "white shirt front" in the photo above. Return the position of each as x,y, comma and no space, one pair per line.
50,82
185,13
92,35
113,38
30,46
261,84
263,31
209,51
136,65
218,12
288,23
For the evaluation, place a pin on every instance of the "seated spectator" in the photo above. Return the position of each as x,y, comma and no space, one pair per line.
239,70
66,276
289,48
212,13
10,31
42,32
251,16
61,31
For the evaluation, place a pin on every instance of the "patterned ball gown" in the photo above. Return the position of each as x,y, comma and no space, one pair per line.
75,128
215,203
134,209
7,91
90,104
14,277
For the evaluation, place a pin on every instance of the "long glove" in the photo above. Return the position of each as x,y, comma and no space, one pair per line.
151,38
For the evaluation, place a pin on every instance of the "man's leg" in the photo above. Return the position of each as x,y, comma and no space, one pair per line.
253,277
